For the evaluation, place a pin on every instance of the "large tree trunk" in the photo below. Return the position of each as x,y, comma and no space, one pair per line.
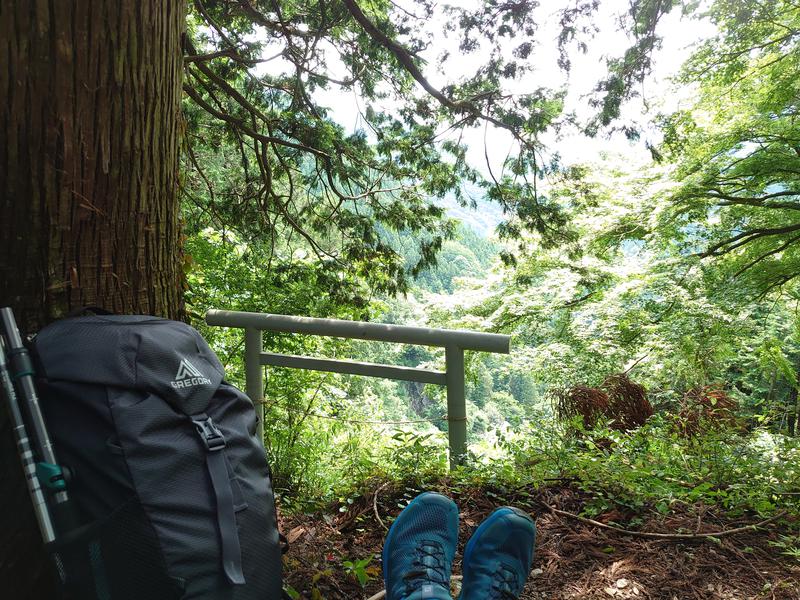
90,129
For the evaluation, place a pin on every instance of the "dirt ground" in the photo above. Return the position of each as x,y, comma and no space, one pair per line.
573,559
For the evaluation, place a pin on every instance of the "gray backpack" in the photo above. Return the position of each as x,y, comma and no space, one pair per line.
172,490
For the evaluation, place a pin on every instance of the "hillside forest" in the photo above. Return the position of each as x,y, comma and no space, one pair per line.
650,285
614,184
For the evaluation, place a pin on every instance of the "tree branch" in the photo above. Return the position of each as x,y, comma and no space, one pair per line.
667,536
405,58
244,128
746,237
279,27
766,255
757,201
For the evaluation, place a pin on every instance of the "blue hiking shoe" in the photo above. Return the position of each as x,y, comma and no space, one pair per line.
498,556
419,548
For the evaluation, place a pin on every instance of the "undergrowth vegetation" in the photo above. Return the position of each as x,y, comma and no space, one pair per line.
653,468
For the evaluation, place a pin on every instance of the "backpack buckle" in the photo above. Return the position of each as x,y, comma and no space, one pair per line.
210,434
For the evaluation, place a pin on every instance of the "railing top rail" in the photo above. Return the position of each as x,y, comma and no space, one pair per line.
380,332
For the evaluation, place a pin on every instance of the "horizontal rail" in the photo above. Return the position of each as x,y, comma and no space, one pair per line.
379,332
353,368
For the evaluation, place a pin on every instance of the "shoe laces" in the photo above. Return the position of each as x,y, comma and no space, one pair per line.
505,585
428,566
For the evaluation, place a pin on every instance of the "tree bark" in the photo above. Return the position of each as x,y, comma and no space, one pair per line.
90,128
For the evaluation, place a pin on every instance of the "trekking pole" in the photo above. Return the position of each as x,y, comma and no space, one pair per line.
48,471
25,452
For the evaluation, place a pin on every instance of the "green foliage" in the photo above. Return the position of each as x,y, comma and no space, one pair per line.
649,469
681,270
626,296
788,545
737,150
634,65
358,570
655,468
266,158
417,453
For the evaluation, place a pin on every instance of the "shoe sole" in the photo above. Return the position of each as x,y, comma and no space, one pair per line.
386,542
490,520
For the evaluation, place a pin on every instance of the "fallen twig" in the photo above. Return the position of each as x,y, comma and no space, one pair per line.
375,505
666,536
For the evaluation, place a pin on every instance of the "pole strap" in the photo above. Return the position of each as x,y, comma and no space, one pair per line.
51,476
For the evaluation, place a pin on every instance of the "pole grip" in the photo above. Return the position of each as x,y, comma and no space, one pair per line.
25,451
22,376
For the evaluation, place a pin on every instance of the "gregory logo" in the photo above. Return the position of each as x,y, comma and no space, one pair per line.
188,376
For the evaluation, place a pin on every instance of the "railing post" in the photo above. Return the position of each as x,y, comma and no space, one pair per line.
456,404
254,374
